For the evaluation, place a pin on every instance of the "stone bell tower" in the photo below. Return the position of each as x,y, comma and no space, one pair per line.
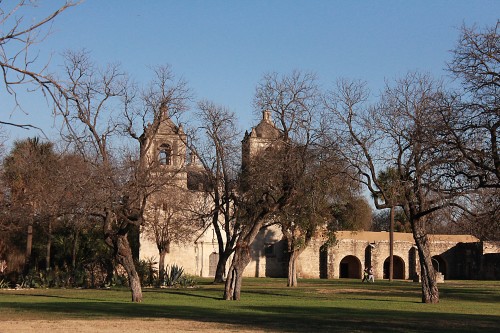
260,137
167,148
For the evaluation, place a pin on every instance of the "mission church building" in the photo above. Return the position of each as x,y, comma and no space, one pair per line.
454,256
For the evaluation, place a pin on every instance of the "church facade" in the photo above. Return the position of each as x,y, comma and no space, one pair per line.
454,256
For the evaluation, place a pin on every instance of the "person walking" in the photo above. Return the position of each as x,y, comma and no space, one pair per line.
370,275
365,275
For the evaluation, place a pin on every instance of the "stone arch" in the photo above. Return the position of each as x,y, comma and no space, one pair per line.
350,267
439,265
213,259
398,268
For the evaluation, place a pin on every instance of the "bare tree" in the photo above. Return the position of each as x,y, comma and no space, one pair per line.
102,103
93,94
322,190
401,133
472,116
19,61
161,199
482,218
269,182
218,152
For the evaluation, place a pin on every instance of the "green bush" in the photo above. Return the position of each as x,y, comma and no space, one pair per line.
4,284
187,281
147,271
33,279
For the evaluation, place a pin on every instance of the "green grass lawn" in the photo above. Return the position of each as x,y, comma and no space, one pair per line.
266,304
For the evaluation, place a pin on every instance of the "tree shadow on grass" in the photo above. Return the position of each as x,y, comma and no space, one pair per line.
475,295
59,297
271,318
190,294
268,292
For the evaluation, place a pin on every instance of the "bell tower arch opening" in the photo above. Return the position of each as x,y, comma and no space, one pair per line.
165,154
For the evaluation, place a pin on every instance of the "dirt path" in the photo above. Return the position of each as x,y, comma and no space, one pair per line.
112,326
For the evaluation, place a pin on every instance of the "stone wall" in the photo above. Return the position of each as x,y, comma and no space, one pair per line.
347,258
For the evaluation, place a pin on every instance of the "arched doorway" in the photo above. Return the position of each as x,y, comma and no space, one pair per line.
439,265
350,267
398,268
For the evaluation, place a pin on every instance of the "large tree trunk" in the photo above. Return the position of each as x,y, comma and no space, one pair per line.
49,245
292,268
430,292
221,263
391,245
74,250
241,257
161,267
234,279
221,266
29,247
123,255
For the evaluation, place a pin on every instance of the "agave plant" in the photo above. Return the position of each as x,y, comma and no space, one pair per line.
173,275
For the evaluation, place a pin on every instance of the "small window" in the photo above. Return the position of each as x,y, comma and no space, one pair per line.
165,155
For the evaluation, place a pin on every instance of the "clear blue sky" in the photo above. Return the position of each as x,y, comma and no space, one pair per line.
222,48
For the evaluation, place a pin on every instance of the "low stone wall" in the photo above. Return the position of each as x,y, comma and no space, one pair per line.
347,258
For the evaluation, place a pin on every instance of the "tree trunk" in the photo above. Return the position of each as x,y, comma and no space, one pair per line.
49,245
292,269
241,257
221,266
29,247
430,292
391,245
123,254
74,250
234,279
221,262
161,267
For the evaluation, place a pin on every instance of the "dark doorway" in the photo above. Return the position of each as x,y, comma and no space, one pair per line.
412,264
399,268
368,255
350,267
323,262
439,265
